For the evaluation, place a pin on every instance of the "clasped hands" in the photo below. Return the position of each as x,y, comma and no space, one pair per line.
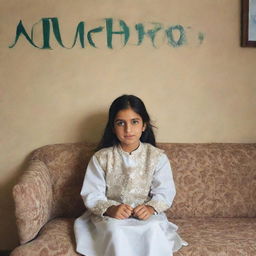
124,211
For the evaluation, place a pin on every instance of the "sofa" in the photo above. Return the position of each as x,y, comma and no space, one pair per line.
215,204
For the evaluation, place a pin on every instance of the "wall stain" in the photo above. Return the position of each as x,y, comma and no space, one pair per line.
201,37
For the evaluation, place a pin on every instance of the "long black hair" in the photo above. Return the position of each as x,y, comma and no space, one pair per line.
124,102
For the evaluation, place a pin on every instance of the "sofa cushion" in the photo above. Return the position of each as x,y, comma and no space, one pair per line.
217,236
56,238
206,236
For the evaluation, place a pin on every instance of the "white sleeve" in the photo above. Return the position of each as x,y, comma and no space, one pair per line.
94,189
163,189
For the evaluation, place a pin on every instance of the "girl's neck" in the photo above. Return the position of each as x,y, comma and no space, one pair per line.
129,148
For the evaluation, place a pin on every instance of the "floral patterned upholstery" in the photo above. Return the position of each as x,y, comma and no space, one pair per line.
215,205
218,236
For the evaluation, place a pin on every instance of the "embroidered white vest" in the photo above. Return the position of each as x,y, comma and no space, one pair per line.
129,176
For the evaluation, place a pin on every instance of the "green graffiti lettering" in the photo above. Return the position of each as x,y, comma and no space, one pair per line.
171,40
46,25
152,32
89,35
22,31
46,34
125,31
141,32
56,31
50,27
80,34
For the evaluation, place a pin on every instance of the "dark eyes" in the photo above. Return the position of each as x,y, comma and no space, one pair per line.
122,123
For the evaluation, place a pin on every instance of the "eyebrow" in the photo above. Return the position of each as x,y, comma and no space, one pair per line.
118,120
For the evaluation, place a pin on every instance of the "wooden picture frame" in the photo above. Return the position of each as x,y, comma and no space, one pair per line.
248,24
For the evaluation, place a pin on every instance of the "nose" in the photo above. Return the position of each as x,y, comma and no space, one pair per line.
128,128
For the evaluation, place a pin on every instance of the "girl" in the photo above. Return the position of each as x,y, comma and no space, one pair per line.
127,186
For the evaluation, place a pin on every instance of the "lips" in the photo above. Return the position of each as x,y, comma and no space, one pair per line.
129,136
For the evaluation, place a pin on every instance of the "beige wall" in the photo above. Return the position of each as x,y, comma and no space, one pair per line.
195,93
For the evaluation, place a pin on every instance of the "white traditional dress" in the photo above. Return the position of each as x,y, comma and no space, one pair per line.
115,177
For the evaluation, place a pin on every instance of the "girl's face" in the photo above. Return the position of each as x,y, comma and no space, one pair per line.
128,127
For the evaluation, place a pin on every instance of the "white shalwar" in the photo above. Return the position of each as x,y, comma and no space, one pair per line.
115,177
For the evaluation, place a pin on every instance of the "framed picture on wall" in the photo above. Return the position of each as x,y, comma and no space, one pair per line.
248,23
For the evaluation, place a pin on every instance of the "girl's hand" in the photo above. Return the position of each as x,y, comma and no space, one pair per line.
143,212
122,211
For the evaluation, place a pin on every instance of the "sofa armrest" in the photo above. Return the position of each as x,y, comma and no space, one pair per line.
33,200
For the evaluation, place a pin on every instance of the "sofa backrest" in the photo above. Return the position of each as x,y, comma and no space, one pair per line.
212,179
